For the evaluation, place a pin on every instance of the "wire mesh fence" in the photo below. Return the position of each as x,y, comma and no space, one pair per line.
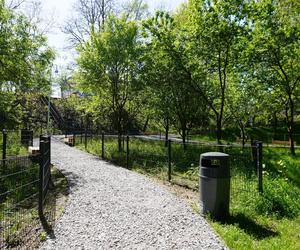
18,199
172,161
20,183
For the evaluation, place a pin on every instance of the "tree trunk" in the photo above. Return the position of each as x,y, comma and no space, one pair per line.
119,141
146,124
243,136
119,128
219,130
290,119
275,125
184,138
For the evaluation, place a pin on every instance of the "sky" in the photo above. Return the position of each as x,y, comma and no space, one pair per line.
60,10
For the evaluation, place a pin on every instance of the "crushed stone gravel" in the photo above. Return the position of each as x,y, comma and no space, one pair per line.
113,208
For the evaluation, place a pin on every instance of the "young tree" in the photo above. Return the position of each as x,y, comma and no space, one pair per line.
169,79
215,29
108,67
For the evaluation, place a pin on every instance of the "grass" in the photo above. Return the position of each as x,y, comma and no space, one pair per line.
267,221
245,231
278,162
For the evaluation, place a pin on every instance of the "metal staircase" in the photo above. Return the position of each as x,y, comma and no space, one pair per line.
55,114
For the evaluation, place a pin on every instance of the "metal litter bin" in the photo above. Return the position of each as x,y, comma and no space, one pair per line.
215,184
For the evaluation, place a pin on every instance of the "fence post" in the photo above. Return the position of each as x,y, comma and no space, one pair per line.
102,144
169,161
127,151
41,178
4,144
85,139
259,166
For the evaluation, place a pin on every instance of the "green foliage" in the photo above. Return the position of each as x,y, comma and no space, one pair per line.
9,113
24,63
25,56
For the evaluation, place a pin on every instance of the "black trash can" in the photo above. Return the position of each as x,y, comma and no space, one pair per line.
215,184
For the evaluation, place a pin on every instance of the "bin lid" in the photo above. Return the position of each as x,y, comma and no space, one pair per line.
214,155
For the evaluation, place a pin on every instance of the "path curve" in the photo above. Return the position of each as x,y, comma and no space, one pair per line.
113,208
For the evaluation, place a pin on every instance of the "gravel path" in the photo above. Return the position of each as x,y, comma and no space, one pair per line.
113,208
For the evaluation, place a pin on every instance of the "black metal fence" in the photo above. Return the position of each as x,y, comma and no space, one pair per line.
171,162
47,216
23,183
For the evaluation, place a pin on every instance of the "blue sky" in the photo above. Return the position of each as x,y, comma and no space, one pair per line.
61,9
